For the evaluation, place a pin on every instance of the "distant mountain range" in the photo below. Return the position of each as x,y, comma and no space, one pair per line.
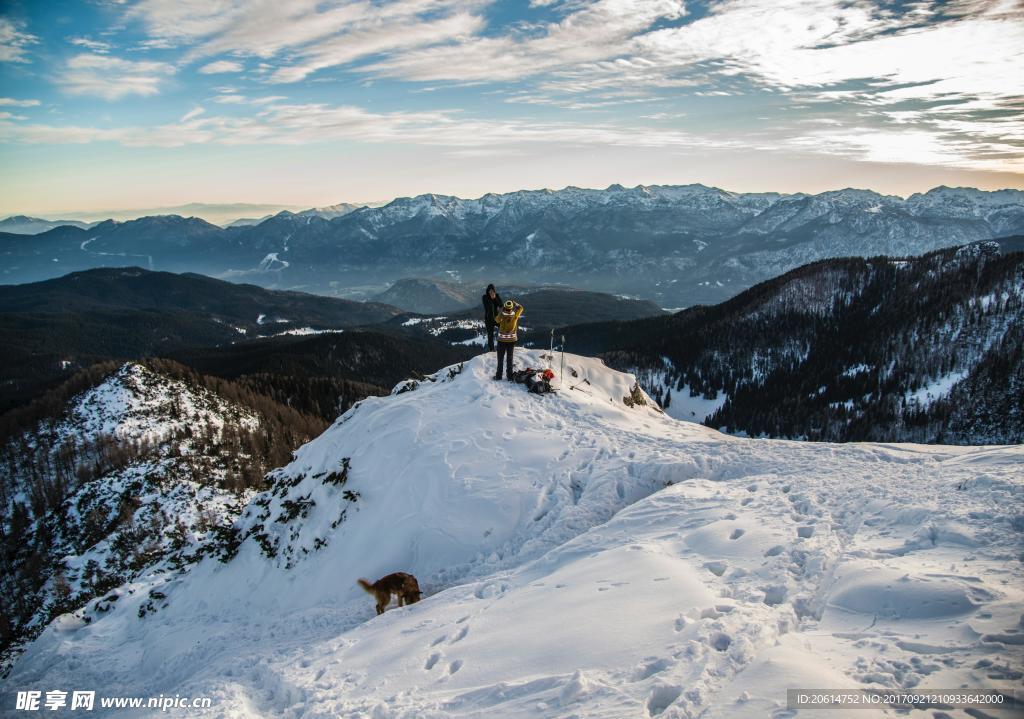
430,296
22,225
676,245
55,327
557,303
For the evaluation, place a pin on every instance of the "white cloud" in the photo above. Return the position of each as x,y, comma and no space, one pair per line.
97,46
372,38
112,78
12,102
221,66
928,83
309,123
919,147
315,33
14,41
266,100
155,44
594,32
192,114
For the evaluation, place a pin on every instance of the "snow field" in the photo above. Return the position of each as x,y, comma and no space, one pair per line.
580,557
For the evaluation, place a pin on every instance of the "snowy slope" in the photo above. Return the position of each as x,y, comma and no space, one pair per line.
135,482
580,557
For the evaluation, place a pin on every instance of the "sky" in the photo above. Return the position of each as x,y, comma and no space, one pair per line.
154,103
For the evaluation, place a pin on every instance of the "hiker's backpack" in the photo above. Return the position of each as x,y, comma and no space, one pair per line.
522,376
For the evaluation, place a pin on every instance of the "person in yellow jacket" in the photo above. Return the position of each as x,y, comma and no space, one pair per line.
507,321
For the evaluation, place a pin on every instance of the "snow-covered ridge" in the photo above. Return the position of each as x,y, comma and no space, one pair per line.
959,202
137,404
136,479
581,555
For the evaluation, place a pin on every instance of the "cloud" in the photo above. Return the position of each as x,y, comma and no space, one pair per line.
919,147
96,46
373,38
14,41
221,66
927,82
822,43
314,34
310,123
299,124
267,99
112,78
593,33
12,102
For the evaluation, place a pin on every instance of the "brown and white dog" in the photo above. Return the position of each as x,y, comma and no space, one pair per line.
403,585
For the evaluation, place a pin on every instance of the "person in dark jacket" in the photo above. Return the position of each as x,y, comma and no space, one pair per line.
492,306
508,323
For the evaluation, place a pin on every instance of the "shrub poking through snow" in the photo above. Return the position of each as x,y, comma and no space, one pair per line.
635,398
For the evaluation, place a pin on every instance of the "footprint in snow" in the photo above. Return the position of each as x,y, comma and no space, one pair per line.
439,640
650,667
805,532
720,641
432,661
661,698
460,636
455,666
737,533
716,567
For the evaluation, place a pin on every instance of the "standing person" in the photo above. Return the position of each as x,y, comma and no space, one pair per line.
508,321
492,306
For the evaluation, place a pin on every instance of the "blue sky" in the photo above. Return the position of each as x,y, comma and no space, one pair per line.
107,104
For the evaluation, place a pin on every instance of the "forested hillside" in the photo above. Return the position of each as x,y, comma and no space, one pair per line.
123,470
925,349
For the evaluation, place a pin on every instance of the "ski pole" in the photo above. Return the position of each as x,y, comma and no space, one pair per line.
561,369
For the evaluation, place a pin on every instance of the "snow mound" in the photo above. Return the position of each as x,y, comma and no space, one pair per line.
137,404
581,554
465,472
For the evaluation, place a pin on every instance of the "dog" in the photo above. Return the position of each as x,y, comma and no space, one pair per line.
402,585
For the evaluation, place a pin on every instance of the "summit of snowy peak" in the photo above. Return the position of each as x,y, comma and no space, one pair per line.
135,403
947,198
399,452
856,194
1000,211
